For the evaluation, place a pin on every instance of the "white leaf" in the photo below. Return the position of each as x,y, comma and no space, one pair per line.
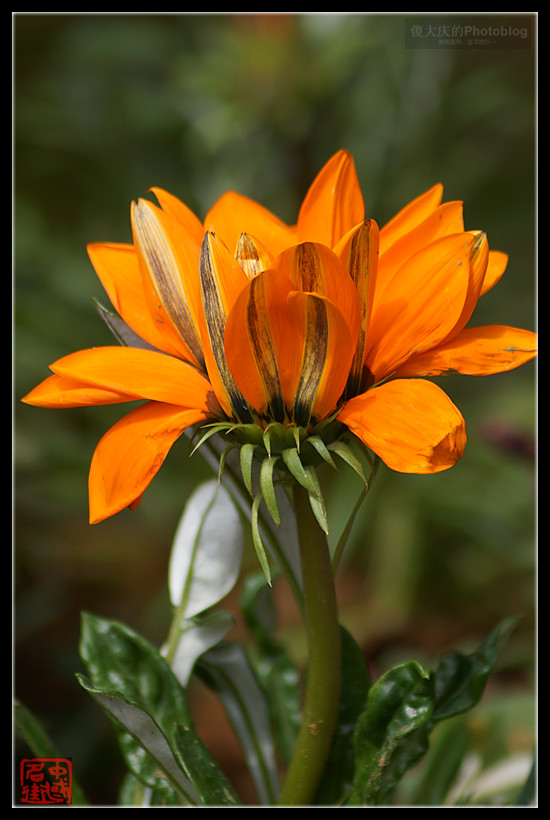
207,550
196,638
144,729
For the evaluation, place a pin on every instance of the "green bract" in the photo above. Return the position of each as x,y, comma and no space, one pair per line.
279,455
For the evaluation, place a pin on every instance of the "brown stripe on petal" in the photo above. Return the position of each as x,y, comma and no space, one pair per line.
315,354
360,256
164,272
215,318
264,350
251,255
314,268
308,270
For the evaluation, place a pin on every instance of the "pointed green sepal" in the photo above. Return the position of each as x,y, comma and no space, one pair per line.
298,471
296,433
316,500
247,433
267,441
346,454
223,458
257,540
247,456
211,430
268,489
319,445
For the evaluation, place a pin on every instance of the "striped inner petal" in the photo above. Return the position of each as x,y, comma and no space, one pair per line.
251,255
264,352
315,355
222,280
359,252
289,351
327,351
253,327
170,269
314,268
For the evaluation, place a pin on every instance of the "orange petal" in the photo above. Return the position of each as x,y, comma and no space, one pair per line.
234,214
222,280
328,349
131,453
191,224
169,260
479,256
334,203
495,268
446,219
137,374
410,216
60,391
410,423
476,351
118,269
288,349
252,331
422,306
358,250
479,259
314,268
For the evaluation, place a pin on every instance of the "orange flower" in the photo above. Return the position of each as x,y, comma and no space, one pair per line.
253,324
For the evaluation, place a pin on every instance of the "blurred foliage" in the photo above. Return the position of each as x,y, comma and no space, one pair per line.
107,106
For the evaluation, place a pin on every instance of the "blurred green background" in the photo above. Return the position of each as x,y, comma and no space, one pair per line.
107,106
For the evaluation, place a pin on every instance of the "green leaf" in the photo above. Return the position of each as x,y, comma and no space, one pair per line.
138,691
201,769
389,743
398,703
119,660
226,669
460,679
145,746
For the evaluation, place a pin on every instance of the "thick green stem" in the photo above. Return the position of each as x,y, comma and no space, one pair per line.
322,695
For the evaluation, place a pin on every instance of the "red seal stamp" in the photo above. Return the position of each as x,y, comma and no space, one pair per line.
46,781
